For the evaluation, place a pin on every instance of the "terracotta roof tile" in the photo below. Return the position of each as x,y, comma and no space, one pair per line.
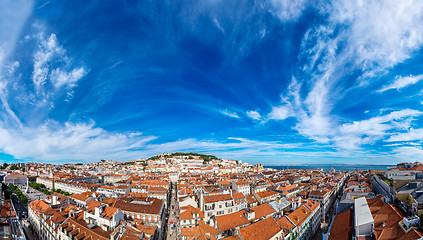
255,230
342,226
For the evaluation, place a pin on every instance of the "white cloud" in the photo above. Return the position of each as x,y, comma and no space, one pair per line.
359,36
316,122
410,135
279,113
288,10
15,121
228,113
48,49
61,78
57,142
216,22
53,141
316,127
13,15
254,115
353,135
51,52
379,34
402,82
408,152
377,125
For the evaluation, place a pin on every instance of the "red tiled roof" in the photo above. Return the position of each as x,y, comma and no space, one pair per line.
255,230
342,226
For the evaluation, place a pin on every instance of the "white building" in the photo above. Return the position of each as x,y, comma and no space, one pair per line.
16,179
74,187
48,182
303,222
187,201
242,187
44,220
108,191
216,205
363,219
104,216
81,200
401,174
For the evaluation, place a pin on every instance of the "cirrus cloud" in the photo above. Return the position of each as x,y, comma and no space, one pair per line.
402,82
254,115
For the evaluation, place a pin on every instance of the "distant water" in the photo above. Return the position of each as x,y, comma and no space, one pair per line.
327,167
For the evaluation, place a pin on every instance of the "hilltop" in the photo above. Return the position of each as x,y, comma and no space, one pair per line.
190,155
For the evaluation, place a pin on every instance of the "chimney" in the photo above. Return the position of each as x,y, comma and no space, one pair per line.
249,214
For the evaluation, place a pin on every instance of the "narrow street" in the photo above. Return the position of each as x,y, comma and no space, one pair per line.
173,222
29,232
22,210
324,228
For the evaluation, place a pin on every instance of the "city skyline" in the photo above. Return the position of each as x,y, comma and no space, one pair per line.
272,82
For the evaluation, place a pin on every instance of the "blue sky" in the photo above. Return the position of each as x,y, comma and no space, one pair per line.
272,81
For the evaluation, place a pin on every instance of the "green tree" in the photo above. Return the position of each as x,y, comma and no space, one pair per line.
14,167
4,166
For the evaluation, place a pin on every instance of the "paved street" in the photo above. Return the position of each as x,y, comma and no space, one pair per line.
324,228
21,209
34,194
173,216
29,232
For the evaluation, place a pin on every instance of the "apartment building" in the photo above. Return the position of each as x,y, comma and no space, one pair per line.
266,196
74,187
321,196
82,199
303,222
228,224
103,216
216,205
188,200
48,182
190,216
287,191
239,201
157,192
108,191
44,220
16,179
242,187
150,210
73,229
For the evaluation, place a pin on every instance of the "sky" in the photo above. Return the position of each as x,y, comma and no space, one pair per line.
278,82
